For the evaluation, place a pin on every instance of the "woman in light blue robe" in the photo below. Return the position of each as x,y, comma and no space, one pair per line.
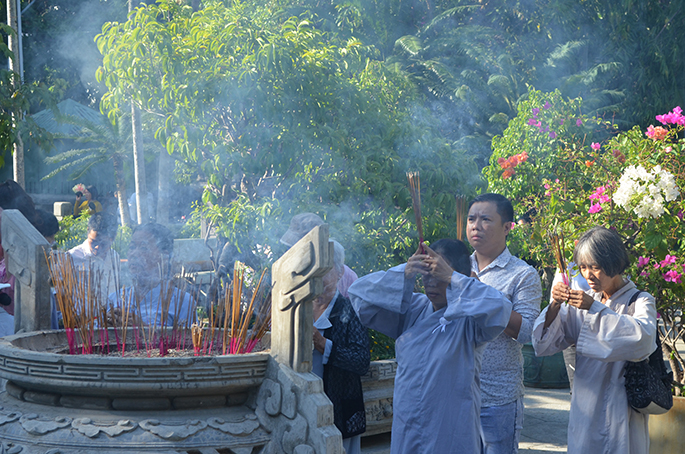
439,336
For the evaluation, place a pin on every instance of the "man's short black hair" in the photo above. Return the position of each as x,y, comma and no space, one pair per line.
455,253
163,236
46,223
104,223
504,207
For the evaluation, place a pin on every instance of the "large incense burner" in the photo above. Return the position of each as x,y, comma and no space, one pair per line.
56,402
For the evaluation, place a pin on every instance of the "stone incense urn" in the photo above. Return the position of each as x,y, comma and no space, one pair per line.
256,403
56,402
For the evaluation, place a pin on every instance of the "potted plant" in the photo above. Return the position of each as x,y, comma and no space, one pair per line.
573,172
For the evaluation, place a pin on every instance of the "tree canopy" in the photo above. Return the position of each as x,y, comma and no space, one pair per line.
277,118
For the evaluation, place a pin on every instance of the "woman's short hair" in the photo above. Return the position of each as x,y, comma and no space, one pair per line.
604,248
455,253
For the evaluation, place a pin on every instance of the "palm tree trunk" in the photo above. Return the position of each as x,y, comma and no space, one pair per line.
165,169
139,167
13,44
122,195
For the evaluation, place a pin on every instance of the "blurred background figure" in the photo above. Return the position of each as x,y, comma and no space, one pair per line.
300,225
47,225
87,201
149,264
96,252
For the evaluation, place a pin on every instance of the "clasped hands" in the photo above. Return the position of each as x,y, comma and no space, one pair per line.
427,262
562,293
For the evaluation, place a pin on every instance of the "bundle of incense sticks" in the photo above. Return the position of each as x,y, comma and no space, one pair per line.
237,338
78,294
461,215
415,191
558,248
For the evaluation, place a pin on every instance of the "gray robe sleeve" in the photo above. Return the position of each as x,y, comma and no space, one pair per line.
488,308
385,302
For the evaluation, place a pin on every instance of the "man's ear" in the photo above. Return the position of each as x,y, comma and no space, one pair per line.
507,227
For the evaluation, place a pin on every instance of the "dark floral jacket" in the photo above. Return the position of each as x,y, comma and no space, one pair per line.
348,361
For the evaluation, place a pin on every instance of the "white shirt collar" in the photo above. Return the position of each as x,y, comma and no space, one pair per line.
322,322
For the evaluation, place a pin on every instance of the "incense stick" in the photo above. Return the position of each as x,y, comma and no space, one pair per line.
415,191
558,248
461,214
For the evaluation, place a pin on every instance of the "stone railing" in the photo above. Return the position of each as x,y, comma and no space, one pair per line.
378,385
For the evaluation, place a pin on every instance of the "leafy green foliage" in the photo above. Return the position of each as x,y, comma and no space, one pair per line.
278,117
72,231
382,346
572,181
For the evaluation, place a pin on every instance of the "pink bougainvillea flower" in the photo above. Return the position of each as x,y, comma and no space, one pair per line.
579,122
508,173
595,146
596,208
656,266
557,180
680,215
668,260
536,111
546,186
656,133
645,273
668,149
642,261
532,121
600,192
547,194
673,276
561,122
674,117
552,135
547,105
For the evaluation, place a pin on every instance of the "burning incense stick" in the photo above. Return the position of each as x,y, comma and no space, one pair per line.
461,214
415,191
558,248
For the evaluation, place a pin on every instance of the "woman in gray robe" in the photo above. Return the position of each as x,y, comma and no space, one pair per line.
439,339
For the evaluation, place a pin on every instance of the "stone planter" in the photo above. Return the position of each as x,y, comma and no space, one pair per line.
667,431
544,371
378,385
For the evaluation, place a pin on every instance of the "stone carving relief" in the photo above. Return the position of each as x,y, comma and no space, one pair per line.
173,432
379,410
36,426
10,448
238,428
6,417
269,398
90,429
295,434
304,449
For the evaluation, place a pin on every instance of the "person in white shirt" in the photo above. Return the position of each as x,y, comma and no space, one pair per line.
96,252
489,221
610,324
149,263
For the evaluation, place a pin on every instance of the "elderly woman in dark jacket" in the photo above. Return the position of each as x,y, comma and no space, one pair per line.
341,355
